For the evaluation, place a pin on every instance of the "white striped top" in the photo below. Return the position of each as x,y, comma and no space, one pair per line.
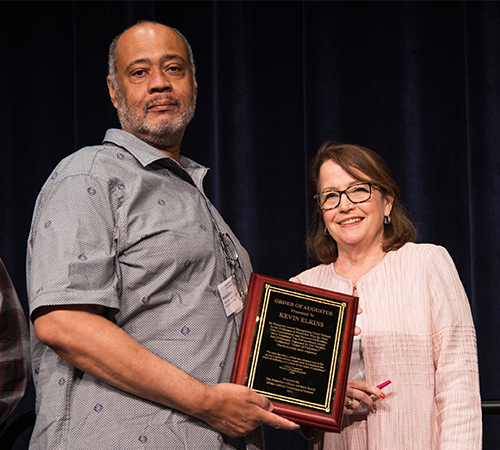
418,332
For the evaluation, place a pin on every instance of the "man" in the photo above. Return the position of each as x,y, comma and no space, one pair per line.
14,348
126,262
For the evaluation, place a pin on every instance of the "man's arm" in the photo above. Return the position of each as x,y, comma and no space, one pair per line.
84,338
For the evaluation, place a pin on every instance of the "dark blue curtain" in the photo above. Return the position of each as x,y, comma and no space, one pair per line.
417,82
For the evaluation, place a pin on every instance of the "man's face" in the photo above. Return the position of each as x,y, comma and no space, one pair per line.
156,93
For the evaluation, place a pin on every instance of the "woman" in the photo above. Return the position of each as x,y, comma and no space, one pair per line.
417,328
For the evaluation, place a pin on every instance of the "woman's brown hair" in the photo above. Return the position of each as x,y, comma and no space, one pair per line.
362,164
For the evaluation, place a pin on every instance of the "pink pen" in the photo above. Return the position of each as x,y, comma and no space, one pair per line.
384,384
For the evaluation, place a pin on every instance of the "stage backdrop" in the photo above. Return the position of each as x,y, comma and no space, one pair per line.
418,82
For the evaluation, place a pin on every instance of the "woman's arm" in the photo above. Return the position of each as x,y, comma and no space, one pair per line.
457,394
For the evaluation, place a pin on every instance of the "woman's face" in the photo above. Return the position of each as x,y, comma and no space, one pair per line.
353,225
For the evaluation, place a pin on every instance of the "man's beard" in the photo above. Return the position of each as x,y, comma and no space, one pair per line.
162,134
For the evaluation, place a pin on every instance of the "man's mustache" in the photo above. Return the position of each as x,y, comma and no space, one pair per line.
161,100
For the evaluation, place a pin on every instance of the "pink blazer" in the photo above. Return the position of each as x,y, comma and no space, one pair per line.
418,332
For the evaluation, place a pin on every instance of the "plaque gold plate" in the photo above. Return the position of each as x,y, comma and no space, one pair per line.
295,347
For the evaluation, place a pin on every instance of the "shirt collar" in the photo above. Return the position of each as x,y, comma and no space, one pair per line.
146,154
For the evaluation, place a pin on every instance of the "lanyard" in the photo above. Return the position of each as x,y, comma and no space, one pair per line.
227,244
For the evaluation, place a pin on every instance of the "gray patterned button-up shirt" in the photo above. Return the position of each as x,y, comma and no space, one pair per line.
121,225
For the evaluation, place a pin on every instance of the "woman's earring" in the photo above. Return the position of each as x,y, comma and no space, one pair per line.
327,233
387,219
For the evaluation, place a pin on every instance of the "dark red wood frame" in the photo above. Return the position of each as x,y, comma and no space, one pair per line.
326,421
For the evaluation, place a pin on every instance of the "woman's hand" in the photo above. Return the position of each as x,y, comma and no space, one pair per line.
359,394
357,330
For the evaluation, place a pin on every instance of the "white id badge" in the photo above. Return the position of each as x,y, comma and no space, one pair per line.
230,296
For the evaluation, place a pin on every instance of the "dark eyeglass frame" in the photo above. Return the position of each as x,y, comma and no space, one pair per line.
317,196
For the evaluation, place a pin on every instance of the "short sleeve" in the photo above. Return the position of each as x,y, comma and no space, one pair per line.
72,244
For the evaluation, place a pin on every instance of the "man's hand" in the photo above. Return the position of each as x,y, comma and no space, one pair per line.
236,410
113,357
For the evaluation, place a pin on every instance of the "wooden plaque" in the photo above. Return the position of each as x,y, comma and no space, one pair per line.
295,347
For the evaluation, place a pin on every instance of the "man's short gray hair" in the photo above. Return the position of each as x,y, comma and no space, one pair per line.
113,74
